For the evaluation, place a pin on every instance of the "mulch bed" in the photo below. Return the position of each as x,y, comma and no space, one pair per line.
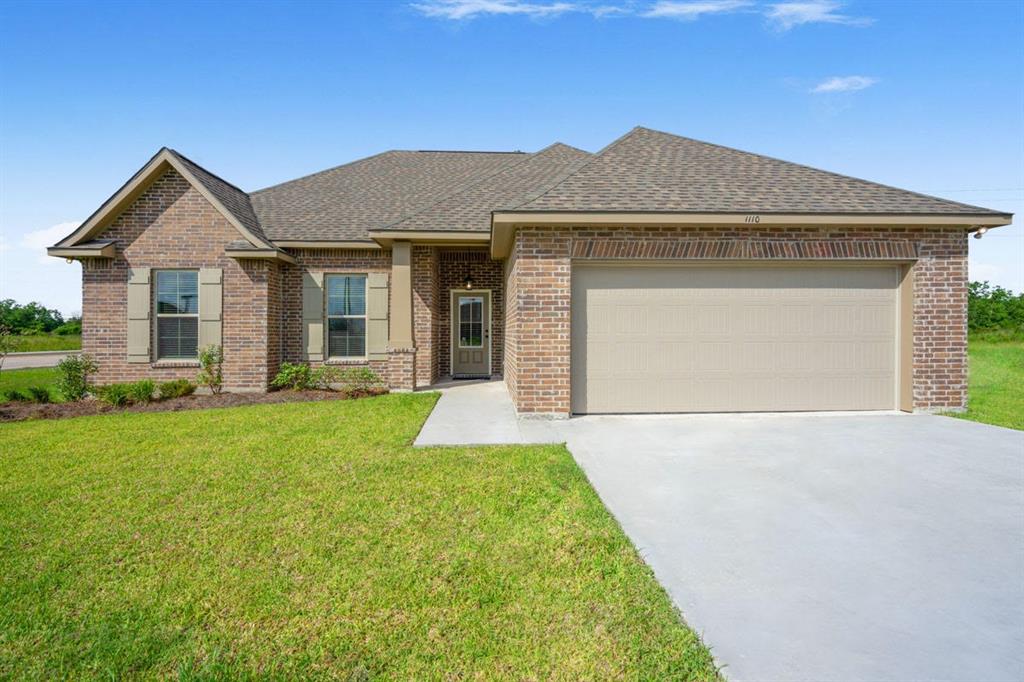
21,411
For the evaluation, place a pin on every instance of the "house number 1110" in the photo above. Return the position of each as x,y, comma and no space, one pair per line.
752,219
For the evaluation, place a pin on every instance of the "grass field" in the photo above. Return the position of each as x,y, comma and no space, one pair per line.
996,386
310,540
37,342
23,378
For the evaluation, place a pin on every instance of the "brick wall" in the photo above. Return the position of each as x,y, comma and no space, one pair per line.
425,301
171,225
539,271
326,261
453,267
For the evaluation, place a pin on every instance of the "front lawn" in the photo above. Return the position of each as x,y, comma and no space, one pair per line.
995,390
310,540
38,342
23,378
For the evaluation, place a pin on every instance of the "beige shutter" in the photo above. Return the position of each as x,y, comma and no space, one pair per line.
377,316
313,315
211,305
140,305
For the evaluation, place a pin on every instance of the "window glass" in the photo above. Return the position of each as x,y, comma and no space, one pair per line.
177,314
346,316
471,326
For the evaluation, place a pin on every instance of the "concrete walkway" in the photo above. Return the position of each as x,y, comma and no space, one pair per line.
46,358
474,413
824,547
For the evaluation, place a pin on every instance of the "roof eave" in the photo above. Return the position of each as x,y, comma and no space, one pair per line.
504,223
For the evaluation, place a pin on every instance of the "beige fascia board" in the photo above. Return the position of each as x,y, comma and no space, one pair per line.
106,251
261,254
321,244
451,238
136,186
504,223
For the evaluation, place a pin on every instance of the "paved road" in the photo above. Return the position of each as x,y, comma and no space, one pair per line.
842,548
26,360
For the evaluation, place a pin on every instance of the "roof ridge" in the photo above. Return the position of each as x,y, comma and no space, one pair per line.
327,170
468,185
575,168
835,174
205,170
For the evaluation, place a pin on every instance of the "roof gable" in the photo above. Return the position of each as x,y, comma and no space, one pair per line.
230,201
651,171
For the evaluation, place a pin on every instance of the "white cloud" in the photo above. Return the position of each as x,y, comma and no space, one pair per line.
38,240
787,15
468,9
673,9
844,84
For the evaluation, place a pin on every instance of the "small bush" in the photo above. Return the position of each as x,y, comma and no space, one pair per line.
117,395
69,328
211,374
357,380
141,391
38,394
13,395
73,376
176,389
295,376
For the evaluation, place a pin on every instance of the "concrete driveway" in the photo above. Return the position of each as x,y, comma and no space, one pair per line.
811,547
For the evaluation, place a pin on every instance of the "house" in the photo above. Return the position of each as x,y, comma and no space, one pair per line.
660,274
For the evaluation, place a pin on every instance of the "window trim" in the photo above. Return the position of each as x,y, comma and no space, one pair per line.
365,317
157,315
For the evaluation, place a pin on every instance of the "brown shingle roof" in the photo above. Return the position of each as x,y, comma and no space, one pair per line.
232,198
469,210
651,171
343,203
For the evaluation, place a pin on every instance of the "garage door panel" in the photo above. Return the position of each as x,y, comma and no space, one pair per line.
680,339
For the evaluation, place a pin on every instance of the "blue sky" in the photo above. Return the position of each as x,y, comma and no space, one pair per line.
926,96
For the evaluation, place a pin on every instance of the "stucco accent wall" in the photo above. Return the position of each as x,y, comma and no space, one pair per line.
171,225
540,272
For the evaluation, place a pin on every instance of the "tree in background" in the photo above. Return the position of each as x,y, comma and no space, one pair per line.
991,308
31,318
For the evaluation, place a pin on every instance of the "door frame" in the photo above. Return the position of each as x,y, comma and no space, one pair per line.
454,293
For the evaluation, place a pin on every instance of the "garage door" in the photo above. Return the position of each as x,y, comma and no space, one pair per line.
724,339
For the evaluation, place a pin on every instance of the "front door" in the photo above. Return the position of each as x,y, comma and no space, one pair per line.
471,333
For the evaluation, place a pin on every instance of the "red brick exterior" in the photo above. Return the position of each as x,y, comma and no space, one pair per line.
539,270
425,302
454,266
171,225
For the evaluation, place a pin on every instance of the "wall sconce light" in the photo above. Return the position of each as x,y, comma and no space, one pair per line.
467,283
981,231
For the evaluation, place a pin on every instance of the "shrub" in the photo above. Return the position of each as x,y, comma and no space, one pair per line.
176,389
117,395
71,327
211,362
358,380
38,394
295,376
993,307
73,376
13,395
141,391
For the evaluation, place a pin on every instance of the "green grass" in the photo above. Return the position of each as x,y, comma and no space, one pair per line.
310,540
995,390
23,378
37,342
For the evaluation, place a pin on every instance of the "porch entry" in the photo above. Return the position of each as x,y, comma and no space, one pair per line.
471,333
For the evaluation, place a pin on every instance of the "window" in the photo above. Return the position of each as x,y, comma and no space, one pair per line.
346,316
471,322
177,314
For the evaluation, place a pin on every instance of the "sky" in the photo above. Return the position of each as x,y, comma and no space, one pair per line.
920,95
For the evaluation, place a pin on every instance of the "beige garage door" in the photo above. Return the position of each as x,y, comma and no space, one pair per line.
726,339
